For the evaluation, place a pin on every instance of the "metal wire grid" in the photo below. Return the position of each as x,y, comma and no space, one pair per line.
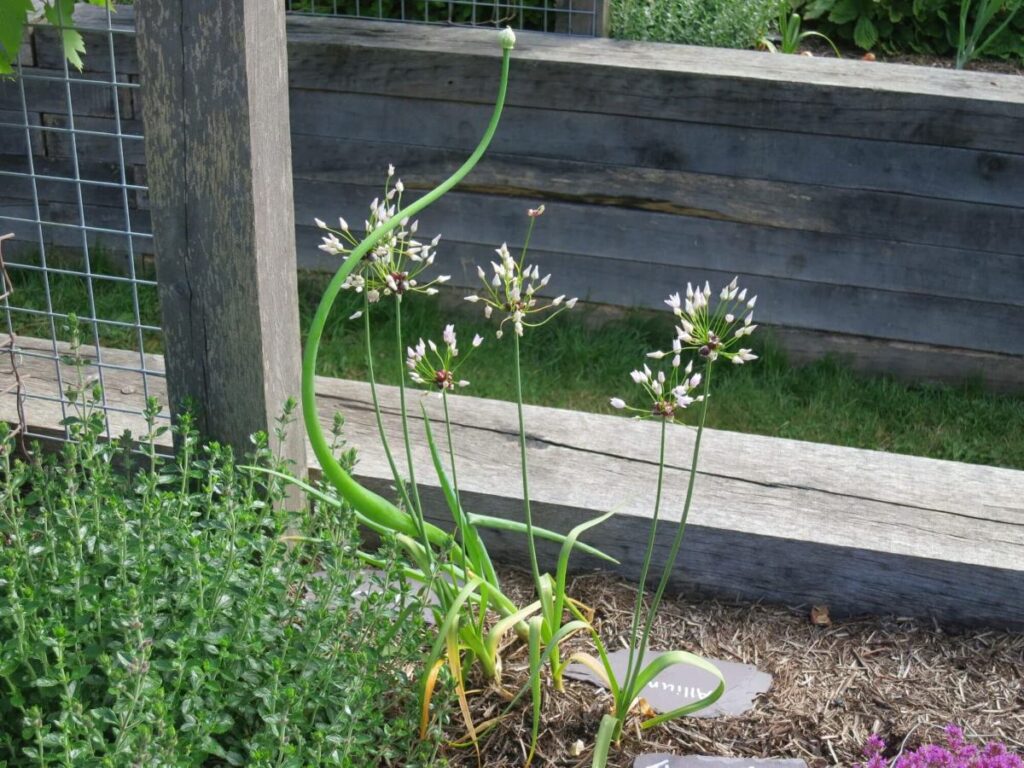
573,17
76,158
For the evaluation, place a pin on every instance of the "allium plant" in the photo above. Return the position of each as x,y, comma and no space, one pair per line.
710,329
957,753
388,262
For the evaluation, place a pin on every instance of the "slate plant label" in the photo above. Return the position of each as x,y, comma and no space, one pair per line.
681,684
693,761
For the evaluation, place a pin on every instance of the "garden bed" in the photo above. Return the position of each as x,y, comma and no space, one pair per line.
833,684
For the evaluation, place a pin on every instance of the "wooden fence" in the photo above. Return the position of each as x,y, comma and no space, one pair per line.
878,209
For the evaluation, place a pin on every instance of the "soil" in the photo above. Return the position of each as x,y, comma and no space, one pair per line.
834,684
820,49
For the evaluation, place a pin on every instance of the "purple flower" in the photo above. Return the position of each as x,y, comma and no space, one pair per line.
956,753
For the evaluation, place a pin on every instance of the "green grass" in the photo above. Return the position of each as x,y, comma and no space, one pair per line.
585,357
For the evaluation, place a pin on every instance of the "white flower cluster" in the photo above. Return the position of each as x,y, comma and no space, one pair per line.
394,266
712,334
435,367
667,393
716,333
512,289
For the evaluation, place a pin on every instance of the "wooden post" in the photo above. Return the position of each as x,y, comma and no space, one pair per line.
215,86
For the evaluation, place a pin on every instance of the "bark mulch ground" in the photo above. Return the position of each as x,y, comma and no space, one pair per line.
833,684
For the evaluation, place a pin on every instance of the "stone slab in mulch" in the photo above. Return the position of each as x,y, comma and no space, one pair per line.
682,684
693,761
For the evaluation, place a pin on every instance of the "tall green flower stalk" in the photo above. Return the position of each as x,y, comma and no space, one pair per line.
511,292
715,336
368,504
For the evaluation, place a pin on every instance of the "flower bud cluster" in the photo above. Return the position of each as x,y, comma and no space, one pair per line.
395,266
512,289
436,367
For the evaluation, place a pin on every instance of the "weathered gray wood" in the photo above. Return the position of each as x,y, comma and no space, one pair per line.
100,145
911,362
48,96
648,140
219,168
774,519
716,86
830,236
617,265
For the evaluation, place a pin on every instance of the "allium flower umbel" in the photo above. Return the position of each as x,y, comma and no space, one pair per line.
435,367
717,333
395,265
512,287
666,394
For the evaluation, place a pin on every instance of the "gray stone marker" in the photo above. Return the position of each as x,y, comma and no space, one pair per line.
682,684
692,761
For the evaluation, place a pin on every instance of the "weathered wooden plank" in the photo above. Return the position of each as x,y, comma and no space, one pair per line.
14,143
842,237
650,141
219,170
613,264
742,88
772,519
808,306
88,98
95,139
716,86
915,363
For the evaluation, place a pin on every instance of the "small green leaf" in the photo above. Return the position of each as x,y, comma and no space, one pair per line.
12,24
844,11
865,35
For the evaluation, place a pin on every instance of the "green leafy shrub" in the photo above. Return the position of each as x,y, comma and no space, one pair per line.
169,614
911,26
721,23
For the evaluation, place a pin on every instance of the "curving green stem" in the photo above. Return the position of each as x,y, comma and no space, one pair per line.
370,504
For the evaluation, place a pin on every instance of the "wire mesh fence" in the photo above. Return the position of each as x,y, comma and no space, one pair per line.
573,17
71,152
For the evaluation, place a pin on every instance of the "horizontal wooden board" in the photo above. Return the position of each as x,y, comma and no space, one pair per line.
647,140
914,363
704,85
96,139
794,304
772,519
610,273
889,102
803,231
44,92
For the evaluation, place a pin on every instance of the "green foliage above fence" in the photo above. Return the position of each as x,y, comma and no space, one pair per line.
720,23
911,26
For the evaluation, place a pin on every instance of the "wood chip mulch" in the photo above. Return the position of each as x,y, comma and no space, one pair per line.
834,684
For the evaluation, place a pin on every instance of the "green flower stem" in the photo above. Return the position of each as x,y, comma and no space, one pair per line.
367,502
534,568
402,491
626,691
417,509
631,671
